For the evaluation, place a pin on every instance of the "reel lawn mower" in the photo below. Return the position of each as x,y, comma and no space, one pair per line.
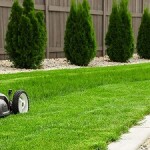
19,103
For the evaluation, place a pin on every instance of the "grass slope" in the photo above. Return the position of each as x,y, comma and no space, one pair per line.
76,109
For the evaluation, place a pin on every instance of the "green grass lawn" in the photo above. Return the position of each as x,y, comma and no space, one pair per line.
79,109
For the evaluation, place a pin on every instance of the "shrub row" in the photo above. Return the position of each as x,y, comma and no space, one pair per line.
119,38
26,36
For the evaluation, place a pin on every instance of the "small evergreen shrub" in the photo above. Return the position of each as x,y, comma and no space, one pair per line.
12,39
38,38
112,39
25,52
31,37
119,38
70,33
80,41
42,38
143,39
127,31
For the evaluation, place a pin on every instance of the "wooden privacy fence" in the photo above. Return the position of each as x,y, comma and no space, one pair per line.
56,13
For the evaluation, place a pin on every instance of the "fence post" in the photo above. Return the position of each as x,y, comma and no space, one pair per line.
104,26
47,26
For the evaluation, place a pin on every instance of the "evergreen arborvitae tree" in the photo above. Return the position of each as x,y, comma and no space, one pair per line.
126,32
112,40
143,40
25,59
37,51
70,33
119,38
31,37
87,37
12,34
38,38
42,37
80,42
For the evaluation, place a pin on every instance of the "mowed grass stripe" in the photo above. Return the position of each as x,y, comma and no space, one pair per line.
61,82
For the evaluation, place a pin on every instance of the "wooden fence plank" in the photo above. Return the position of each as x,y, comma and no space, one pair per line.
47,26
104,25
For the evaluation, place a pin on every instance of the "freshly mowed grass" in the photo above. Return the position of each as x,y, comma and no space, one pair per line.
77,109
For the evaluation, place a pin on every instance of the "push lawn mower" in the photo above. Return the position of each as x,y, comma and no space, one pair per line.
19,103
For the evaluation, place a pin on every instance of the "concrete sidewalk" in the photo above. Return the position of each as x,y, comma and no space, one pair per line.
135,138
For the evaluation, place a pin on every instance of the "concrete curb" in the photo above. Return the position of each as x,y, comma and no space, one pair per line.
135,138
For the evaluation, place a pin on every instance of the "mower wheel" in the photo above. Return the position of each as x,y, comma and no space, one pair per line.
20,103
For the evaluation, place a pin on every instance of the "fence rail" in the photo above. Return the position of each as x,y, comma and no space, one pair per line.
56,13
